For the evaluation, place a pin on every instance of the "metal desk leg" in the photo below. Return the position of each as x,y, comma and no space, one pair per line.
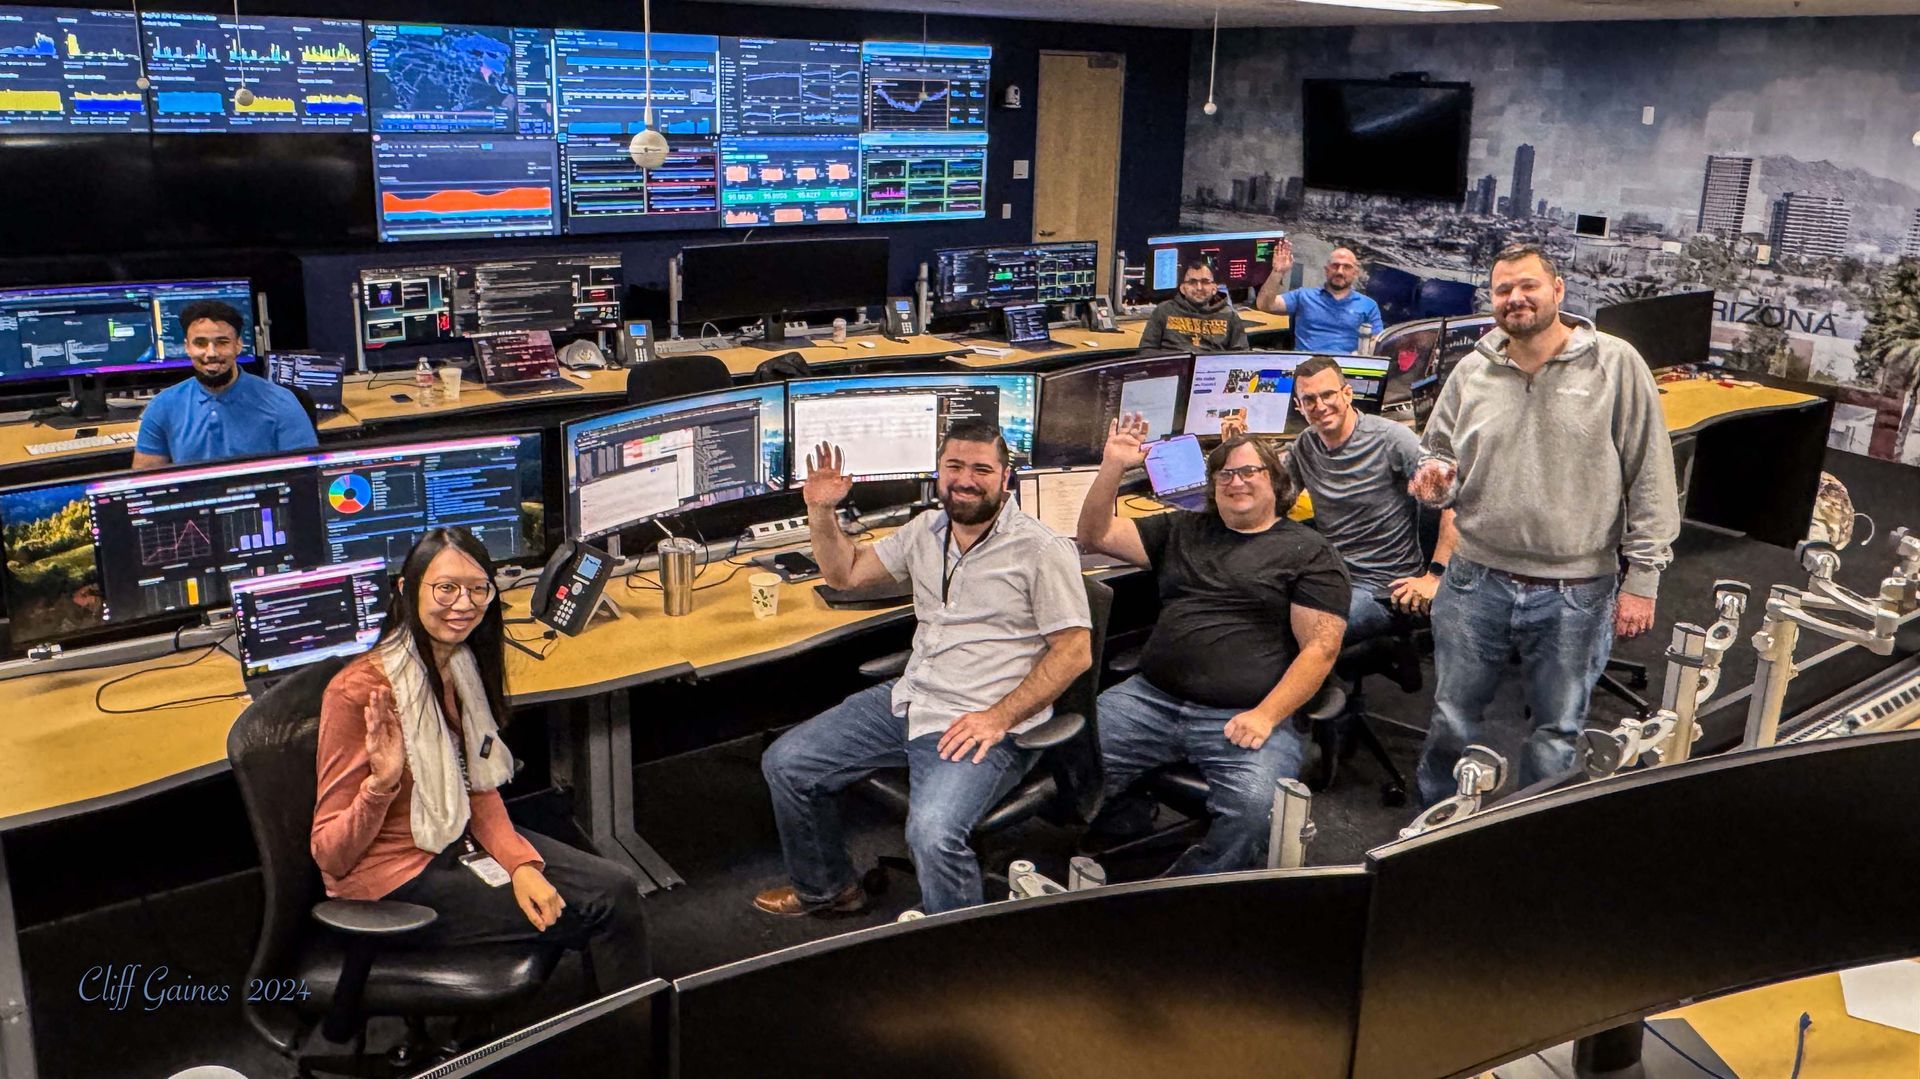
596,760
16,1029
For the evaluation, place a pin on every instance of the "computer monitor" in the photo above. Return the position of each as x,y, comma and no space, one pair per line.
628,467
72,330
1026,324
1240,260
773,279
968,279
375,502
304,74
320,374
166,543
1665,330
889,426
288,620
1252,388
1076,405
425,305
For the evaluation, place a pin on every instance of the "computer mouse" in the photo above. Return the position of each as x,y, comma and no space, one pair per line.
868,344
581,375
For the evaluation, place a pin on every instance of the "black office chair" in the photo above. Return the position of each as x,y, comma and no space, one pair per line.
1063,787
782,368
671,376
306,403
337,949
1350,726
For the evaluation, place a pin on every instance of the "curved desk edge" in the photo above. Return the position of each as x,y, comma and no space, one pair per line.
112,799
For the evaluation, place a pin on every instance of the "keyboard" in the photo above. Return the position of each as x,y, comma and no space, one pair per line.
95,442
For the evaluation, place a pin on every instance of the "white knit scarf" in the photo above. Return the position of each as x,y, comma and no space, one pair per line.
440,810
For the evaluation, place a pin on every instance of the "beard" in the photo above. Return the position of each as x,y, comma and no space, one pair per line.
978,511
1526,323
214,382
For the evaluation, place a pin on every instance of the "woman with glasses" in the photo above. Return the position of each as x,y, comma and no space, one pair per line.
410,766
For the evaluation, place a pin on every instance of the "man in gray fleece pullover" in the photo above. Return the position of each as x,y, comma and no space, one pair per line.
1549,444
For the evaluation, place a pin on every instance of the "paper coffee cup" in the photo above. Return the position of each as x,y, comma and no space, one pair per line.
766,594
450,381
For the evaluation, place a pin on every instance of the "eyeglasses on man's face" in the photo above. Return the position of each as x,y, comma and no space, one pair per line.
1244,473
1324,397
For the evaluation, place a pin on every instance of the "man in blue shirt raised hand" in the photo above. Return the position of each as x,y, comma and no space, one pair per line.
1330,319
221,411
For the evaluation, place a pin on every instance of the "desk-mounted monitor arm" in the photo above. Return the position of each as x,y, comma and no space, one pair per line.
1479,772
1693,673
1790,609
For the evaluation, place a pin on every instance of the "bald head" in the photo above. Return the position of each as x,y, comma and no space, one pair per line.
1342,270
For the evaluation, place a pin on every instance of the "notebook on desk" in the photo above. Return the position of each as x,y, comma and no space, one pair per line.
520,362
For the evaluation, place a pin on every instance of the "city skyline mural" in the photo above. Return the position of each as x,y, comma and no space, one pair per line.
1773,161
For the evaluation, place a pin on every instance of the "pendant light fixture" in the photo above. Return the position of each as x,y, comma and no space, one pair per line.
140,56
243,97
649,147
1213,65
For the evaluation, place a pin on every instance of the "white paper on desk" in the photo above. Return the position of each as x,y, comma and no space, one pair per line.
1054,498
1886,993
989,350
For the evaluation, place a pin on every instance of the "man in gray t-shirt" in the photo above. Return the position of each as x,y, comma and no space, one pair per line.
1356,468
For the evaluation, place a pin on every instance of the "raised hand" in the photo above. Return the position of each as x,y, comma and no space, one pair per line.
826,484
1432,482
1283,257
386,749
1126,437
1233,425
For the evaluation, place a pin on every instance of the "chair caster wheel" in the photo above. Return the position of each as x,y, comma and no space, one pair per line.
1392,795
875,881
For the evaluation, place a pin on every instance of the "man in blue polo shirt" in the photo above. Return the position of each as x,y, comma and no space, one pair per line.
221,411
1330,319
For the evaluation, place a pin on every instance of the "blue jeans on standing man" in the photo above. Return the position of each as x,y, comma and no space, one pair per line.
1563,632
808,767
1143,727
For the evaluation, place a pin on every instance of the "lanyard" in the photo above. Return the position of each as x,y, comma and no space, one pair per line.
946,545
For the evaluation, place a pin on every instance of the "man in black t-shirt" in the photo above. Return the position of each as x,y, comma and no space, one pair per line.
1252,610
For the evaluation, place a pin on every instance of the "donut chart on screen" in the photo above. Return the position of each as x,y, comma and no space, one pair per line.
350,493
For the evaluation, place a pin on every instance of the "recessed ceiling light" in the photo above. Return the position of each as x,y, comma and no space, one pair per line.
1432,7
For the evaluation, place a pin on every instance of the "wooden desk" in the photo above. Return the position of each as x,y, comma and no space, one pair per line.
375,404
1754,1032
743,361
1080,345
1693,404
16,437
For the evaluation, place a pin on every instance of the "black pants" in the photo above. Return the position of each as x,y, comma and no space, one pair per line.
603,911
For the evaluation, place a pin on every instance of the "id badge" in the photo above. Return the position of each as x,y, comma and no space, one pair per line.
485,868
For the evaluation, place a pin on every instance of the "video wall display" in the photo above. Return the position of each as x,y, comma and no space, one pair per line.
498,131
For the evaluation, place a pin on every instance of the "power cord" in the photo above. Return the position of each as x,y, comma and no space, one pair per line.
100,691
1141,504
1800,1043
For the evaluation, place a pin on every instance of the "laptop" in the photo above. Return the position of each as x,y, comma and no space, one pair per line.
320,374
1053,496
1177,471
1027,327
285,621
520,362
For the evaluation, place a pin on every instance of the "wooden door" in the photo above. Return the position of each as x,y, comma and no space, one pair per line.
1076,167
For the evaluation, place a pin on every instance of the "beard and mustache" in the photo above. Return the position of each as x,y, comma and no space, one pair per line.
214,382
981,508
1525,320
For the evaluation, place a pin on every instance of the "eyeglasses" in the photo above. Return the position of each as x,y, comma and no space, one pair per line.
1324,397
445,592
1208,283
1245,474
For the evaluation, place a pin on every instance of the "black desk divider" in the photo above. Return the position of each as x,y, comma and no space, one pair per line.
621,1034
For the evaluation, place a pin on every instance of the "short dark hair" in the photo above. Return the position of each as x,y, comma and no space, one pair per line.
1195,264
1316,365
1516,252
1276,471
978,431
215,310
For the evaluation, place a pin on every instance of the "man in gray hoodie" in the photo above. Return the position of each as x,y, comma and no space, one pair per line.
1549,444
1199,319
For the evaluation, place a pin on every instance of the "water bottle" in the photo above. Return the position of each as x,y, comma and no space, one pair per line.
423,375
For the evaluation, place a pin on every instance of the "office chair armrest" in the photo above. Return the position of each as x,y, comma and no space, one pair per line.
1126,662
1059,727
892,665
373,918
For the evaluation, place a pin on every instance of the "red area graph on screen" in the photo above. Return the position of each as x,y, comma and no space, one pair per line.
459,202
169,541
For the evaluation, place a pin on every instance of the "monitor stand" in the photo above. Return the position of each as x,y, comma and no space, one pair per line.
774,336
90,406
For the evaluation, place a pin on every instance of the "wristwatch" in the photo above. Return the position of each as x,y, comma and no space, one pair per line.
1438,569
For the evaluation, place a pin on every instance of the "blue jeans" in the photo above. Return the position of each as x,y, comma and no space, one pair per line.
811,764
1367,617
1143,727
1563,634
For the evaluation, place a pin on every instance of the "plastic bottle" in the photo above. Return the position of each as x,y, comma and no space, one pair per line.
423,376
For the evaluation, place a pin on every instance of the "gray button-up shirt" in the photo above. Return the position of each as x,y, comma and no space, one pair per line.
979,640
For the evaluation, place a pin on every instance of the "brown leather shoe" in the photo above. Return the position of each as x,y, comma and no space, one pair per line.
786,902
